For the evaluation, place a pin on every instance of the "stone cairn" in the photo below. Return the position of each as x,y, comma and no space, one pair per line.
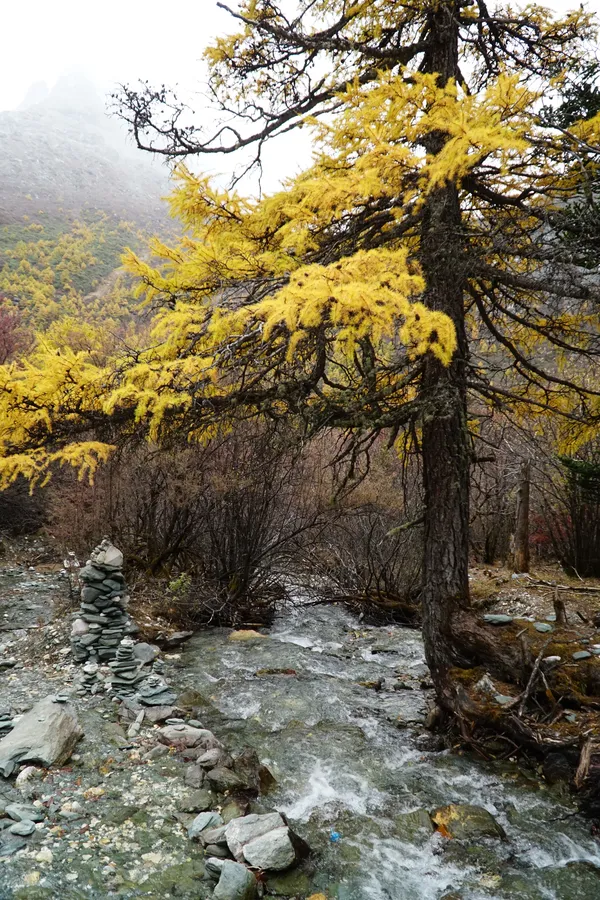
100,637
102,621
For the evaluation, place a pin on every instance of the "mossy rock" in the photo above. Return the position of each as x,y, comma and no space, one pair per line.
182,880
414,827
232,810
465,822
120,814
291,884
473,856
191,699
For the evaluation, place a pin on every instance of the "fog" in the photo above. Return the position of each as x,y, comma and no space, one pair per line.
118,41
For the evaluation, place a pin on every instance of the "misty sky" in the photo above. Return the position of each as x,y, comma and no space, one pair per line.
121,41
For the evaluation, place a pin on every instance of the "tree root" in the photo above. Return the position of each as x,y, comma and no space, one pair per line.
508,696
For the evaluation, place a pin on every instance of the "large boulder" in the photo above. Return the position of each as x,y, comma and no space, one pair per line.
265,842
272,852
235,881
466,822
246,828
47,734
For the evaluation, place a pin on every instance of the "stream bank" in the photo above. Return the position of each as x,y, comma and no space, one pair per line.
336,710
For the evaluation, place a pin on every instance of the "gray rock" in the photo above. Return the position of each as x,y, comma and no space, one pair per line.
272,851
222,779
235,882
213,758
11,843
145,653
497,619
543,627
156,752
217,850
203,821
47,734
214,836
175,639
184,735
581,654
194,776
91,574
20,812
241,831
197,801
414,827
466,822
23,828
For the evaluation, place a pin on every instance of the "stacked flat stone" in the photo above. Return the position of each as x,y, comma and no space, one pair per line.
102,620
156,692
127,671
91,683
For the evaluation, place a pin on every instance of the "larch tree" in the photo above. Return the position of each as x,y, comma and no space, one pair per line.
426,267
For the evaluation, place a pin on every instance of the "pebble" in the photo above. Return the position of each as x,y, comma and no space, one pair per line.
582,654
23,828
543,627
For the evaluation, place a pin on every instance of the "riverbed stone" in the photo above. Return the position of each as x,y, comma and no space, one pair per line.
271,852
186,736
246,634
197,801
145,653
222,779
235,882
47,734
246,828
20,812
23,828
466,822
194,776
203,821
497,619
213,758
414,827
295,883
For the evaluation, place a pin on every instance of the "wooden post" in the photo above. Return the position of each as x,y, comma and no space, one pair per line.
521,556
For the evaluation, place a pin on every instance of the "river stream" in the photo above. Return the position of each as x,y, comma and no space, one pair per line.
349,759
337,711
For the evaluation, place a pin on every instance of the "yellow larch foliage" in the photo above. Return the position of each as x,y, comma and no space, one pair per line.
262,293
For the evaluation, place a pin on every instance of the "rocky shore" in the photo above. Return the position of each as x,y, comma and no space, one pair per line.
254,747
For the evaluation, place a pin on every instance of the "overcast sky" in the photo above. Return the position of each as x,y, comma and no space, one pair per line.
121,41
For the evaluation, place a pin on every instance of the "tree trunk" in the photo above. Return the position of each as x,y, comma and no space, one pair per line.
521,554
443,394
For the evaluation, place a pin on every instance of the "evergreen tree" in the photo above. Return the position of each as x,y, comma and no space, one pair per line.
427,265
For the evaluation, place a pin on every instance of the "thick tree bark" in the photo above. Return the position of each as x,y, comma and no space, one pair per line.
443,395
521,552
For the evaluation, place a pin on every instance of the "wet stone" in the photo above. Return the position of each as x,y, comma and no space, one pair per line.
23,828
497,619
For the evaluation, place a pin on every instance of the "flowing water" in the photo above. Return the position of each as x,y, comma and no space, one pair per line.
350,760
337,710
